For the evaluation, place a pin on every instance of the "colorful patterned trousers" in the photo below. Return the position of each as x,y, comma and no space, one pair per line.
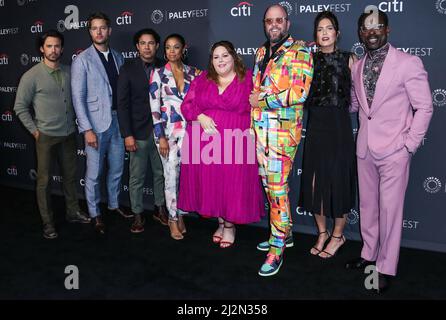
171,169
278,133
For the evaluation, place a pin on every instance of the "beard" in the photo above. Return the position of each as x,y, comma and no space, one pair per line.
53,57
104,40
276,38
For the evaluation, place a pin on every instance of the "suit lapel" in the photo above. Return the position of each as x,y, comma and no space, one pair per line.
98,63
384,80
276,56
359,88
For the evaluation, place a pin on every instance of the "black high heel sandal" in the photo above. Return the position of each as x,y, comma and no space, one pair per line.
340,238
319,251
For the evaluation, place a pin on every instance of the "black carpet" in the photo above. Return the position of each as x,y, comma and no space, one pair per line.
151,265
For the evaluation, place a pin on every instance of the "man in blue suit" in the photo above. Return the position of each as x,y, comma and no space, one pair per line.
94,78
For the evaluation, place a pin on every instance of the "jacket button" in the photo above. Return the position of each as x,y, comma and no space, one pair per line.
370,118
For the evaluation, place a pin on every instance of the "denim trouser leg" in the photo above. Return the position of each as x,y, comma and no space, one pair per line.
95,166
115,156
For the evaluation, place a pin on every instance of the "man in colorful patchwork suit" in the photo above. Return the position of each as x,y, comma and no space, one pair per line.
282,76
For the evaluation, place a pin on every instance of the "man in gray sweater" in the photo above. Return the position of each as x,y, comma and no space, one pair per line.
46,88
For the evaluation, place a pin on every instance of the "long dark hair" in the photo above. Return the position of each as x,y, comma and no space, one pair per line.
325,15
239,66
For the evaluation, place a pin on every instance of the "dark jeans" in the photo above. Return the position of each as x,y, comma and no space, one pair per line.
64,149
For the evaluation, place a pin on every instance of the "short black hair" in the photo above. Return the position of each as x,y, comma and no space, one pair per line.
381,15
177,36
50,33
98,15
142,32
325,15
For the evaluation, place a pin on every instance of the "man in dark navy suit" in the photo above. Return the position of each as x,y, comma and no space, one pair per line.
135,122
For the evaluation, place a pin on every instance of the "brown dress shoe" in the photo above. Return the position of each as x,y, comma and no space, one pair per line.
99,226
161,215
123,213
138,224
175,232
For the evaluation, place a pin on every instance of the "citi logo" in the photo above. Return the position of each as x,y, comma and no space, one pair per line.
7,116
4,59
243,9
125,18
37,27
312,46
391,6
74,56
302,212
12,171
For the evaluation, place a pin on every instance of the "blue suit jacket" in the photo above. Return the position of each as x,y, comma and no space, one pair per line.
91,90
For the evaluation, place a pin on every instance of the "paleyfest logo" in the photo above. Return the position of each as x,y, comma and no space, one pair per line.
358,49
439,97
441,6
287,6
432,185
26,59
353,217
157,16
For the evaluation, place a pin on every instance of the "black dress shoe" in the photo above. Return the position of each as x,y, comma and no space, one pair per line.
121,212
99,226
49,232
161,215
358,263
383,283
78,217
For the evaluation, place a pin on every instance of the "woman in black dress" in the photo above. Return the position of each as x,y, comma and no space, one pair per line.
329,170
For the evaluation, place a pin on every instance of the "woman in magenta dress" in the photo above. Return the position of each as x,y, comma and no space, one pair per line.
219,173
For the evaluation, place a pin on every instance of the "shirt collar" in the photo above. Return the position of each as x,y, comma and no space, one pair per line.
50,70
373,54
277,45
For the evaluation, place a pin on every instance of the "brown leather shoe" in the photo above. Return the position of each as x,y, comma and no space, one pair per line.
123,213
161,215
175,232
99,226
138,224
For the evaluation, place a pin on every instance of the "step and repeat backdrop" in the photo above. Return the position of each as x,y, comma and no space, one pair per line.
417,27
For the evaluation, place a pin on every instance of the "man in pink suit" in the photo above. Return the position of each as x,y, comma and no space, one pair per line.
390,92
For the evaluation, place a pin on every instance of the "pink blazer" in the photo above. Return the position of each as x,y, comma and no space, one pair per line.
401,109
